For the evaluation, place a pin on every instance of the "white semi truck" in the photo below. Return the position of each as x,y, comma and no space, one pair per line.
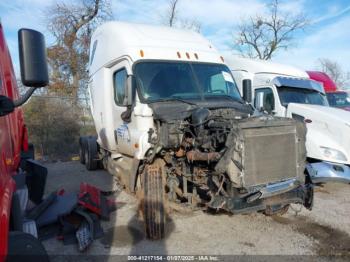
171,124
286,91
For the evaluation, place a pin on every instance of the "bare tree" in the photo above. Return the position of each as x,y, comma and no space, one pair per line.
172,12
72,25
334,70
173,19
262,36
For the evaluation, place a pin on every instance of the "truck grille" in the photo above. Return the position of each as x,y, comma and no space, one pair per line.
264,150
269,154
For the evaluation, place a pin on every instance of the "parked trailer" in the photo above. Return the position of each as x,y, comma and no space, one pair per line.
286,91
173,127
20,178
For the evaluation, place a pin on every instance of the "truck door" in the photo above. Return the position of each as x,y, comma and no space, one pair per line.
122,132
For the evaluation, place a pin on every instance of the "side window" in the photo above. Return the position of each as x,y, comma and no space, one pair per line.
119,83
264,98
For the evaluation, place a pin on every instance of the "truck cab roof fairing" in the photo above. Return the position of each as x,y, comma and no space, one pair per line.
323,78
118,40
298,83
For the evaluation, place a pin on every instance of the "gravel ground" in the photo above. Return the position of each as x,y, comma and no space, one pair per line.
323,231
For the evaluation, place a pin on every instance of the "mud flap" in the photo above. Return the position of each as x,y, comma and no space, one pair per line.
35,179
324,172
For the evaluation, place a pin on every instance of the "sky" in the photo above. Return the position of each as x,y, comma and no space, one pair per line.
327,36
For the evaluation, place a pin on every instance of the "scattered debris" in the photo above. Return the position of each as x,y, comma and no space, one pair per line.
94,200
73,217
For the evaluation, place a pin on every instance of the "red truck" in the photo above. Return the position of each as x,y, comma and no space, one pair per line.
21,180
335,97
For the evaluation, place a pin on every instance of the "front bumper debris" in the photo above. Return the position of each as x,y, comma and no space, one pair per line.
279,188
302,194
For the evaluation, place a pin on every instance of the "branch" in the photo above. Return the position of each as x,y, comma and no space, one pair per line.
173,5
266,35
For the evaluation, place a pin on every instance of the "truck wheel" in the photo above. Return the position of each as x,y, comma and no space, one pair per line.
82,149
91,161
153,201
25,247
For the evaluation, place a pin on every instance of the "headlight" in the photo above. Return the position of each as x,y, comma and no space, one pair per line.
332,153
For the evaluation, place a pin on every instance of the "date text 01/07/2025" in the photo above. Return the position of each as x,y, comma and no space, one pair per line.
173,258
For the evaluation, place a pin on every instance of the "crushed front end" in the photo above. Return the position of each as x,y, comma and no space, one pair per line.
226,159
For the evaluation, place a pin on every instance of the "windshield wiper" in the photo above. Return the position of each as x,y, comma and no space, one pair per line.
173,99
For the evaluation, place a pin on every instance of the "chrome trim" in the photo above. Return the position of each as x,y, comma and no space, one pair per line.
279,188
323,172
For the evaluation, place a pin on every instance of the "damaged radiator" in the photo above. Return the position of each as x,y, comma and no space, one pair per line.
265,150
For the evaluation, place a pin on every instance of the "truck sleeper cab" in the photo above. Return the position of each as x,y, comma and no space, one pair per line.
286,91
173,127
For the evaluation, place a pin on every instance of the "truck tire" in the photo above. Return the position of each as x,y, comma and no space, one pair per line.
91,161
82,150
25,247
153,202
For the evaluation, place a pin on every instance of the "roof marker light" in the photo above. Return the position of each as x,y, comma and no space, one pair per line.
195,55
188,55
141,53
222,59
178,54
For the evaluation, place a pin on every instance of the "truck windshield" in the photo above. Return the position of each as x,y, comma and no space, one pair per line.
338,99
164,81
301,96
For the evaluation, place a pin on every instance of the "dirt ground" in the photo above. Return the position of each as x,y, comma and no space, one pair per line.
323,231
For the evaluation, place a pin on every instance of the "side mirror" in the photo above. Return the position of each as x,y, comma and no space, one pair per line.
32,57
6,106
129,91
247,90
128,99
259,101
33,64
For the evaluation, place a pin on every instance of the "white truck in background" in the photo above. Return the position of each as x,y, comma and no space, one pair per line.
286,91
173,127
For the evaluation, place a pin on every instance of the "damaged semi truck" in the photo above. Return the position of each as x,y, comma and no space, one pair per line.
173,127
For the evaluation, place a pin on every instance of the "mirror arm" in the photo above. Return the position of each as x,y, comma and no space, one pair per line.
25,97
126,115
